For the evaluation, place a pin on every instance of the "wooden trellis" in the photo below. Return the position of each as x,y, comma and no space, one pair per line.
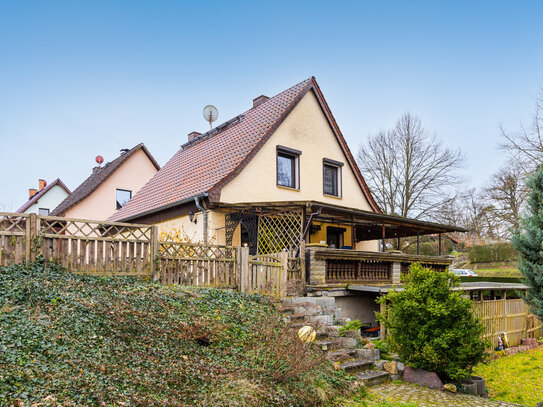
279,232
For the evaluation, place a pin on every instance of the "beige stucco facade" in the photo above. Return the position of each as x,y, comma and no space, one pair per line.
132,175
306,129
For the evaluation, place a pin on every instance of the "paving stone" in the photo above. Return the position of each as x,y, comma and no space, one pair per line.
424,397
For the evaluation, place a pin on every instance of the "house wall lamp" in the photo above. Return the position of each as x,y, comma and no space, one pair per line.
192,218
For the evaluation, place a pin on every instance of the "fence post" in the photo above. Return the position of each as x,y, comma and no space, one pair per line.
153,249
243,269
283,276
302,261
31,233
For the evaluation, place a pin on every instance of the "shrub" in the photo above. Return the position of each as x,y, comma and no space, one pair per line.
354,325
492,253
432,327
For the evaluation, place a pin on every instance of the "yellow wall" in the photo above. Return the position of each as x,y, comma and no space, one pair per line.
320,236
305,129
194,232
132,175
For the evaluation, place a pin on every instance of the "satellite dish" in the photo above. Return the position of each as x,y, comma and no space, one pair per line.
210,114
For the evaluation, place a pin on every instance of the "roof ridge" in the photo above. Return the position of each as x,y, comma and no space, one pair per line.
79,194
31,201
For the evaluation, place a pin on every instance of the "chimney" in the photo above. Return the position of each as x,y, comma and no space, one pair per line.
193,135
32,192
259,100
43,184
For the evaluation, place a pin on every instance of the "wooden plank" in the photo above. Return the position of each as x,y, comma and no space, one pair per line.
146,266
138,258
91,262
100,265
115,253
19,249
74,256
124,254
131,257
84,256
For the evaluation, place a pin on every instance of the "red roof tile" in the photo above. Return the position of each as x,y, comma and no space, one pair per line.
207,163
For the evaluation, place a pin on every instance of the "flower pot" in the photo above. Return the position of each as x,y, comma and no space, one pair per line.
480,384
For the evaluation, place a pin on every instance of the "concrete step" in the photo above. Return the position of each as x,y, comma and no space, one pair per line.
324,302
321,319
373,377
341,355
356,366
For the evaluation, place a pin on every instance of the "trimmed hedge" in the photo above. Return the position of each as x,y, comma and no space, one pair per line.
466,279
492,253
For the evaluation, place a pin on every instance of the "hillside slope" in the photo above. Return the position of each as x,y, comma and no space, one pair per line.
78,340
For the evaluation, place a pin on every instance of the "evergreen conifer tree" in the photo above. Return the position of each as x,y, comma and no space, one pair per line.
528,241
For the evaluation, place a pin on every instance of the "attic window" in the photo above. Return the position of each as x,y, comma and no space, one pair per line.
331,174
123,196
288,167
43,211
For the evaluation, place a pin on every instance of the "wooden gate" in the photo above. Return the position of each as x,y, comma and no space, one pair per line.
14,245
267,274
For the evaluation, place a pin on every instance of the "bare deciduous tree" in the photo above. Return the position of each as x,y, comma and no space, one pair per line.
507,192
409,171
526,145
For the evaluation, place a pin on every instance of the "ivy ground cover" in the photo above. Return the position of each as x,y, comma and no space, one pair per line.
76,340
517,378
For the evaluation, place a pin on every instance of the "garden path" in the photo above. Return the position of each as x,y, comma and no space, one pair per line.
424,397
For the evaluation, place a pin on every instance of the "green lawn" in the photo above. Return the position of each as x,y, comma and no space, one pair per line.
517,378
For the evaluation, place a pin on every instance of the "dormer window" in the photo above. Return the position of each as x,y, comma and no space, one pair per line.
331,175
123,196
288,167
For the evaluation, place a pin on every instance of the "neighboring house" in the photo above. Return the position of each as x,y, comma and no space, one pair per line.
271,177
46,198
110,186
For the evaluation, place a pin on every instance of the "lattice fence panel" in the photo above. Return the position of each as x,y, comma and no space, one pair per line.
279,232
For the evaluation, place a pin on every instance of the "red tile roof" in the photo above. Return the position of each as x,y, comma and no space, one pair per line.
98,176
41,193
207,163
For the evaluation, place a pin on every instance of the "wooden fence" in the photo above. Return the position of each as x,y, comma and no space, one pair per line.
198,265
114,248
507,315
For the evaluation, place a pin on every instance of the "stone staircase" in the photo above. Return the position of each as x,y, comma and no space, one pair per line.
345,352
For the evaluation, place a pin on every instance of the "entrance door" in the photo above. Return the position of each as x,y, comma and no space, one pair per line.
334,237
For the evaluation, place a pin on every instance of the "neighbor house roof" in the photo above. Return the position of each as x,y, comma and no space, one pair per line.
208,162
41,193
98,176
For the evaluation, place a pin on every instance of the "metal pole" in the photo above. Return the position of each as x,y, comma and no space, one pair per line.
418,242
440,244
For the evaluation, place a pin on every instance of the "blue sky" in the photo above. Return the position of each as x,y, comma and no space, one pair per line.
78,79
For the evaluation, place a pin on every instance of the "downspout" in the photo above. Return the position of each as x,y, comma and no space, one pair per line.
204,212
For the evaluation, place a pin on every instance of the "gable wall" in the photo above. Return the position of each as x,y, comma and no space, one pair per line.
132,175
50,200
305,129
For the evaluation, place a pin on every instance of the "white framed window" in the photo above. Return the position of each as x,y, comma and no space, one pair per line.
122,196
288,167
43,211
331,177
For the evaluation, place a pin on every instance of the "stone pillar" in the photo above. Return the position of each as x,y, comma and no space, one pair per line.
317,267
396,271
